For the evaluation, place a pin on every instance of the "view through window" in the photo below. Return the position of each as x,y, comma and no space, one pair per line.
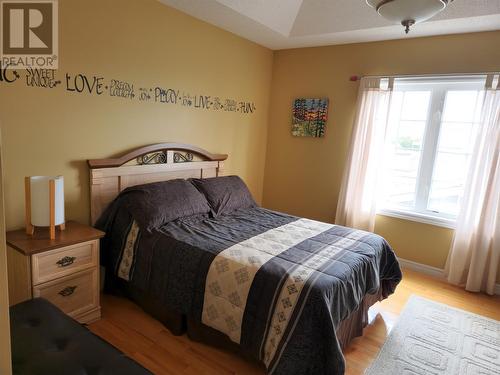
430,136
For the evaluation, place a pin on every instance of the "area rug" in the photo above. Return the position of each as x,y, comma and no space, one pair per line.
435,339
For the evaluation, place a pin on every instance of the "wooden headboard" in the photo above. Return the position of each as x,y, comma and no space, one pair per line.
158,162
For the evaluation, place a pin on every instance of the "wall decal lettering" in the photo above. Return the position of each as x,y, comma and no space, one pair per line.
41,78
81,83
8,76
166,95
97,85
122,89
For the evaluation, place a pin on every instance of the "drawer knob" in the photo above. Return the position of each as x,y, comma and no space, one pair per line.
66,261
69,290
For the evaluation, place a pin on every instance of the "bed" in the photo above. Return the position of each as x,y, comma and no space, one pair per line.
195,251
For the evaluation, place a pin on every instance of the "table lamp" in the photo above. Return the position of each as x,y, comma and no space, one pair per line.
44,203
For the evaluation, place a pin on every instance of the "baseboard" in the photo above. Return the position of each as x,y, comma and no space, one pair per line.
431,271
422,268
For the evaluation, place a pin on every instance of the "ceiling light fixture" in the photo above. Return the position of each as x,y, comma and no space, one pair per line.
408,12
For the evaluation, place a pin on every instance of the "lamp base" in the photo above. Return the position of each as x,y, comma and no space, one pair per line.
30,229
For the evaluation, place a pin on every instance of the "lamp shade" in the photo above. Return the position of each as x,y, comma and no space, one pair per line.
40,200
402,10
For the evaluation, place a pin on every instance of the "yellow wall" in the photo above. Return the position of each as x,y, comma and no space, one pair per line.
303,175
53,131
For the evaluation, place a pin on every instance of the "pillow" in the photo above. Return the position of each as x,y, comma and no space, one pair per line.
225,194
153,205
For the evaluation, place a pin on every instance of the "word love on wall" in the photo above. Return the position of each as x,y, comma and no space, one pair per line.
100,86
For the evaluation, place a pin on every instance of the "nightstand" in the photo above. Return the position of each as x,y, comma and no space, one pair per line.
64,270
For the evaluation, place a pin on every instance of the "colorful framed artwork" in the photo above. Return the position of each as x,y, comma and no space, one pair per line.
309,117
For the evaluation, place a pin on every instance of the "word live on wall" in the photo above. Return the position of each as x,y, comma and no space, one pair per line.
98,85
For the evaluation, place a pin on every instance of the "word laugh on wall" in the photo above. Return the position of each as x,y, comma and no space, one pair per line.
99,86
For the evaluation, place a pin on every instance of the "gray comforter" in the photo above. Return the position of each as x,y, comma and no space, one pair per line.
275,284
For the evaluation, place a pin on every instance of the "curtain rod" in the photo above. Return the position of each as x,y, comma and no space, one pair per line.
355,78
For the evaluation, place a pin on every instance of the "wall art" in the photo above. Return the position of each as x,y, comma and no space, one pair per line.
309,117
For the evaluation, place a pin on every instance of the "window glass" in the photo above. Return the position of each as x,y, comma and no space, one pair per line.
429,142
456,140
406,129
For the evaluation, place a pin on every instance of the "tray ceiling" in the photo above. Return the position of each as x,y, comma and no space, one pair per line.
280,24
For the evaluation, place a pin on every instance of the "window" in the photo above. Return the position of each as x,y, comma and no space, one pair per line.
429,140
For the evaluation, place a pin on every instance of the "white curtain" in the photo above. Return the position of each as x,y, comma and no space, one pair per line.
357,200
475,251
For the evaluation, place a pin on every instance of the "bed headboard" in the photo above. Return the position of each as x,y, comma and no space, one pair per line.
158,162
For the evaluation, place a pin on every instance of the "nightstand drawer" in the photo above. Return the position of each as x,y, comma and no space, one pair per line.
64,261
73,294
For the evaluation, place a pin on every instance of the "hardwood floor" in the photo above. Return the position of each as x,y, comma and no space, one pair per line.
146,340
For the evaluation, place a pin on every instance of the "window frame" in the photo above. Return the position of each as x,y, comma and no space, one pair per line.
438,86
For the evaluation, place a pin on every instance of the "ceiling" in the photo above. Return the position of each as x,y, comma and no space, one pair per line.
280,24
